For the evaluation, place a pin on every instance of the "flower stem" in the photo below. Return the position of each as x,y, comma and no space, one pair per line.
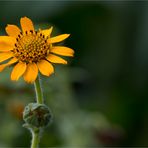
35,139
40,100
38,90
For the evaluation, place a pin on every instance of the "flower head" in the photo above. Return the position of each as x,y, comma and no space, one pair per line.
31,51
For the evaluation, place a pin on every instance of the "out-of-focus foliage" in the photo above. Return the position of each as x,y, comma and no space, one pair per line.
101,99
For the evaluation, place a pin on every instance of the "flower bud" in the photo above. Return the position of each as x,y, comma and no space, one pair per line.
37,115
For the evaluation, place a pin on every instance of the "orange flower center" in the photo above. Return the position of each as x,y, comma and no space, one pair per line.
31,47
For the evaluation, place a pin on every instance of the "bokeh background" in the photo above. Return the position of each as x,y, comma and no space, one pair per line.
101,97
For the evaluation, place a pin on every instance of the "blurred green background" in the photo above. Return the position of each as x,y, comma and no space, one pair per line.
101,97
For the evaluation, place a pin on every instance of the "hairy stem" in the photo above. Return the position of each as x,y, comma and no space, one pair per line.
35,139
38,90
40,100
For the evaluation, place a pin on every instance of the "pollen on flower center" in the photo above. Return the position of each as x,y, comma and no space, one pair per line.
31,47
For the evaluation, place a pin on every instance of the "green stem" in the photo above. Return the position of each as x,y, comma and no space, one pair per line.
35,139
40,100
38,90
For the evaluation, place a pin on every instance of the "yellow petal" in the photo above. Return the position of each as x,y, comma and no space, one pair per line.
31,73
13,30
18,71
6,43
47,32
5,56
12,61
58,38
26,24
61,50
55,59
45,68
2,67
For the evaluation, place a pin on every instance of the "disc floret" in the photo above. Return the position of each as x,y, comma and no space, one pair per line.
31,47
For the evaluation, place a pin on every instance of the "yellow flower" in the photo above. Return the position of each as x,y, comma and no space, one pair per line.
31,51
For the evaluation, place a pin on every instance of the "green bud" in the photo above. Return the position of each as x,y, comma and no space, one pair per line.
37,115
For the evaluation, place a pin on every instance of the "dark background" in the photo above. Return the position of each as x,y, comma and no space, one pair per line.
101,97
